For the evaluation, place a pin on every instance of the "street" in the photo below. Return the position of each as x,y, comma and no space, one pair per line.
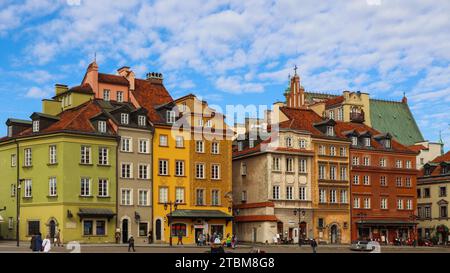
10,247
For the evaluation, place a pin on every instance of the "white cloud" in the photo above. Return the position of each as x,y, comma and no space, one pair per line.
236,85
37,93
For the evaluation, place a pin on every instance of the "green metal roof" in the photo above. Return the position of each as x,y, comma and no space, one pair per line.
395,118
182,213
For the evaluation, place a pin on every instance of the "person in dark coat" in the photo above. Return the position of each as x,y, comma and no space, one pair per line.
314,245
131,244
37,247
33,242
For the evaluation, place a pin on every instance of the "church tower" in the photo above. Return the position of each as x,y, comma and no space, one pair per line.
295,94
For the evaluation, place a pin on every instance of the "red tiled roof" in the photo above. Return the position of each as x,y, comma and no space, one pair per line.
112,79
437,169
334,101
342,127
442,158
256,218
150,95
255,205
417,148
301,119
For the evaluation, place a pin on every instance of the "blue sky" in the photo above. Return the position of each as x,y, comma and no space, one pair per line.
233,52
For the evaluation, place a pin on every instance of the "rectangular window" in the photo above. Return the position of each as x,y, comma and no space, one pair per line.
103,156
355,161
170,117
163,167
289,193
321,150
398,164
102,126
343,173
344,197
333,196
408,182
426,192
27,157
215,171
302,193
383,162
142,121
367,203
126,144
88,227
124,118
276,192
302,144
143,229
200,171
10,223
356,180
106,95
333,172
243,168
28,188
85,187
52,154
144,171
409,204
52,186
126,170
442,191
244,196
163,195
103,187
354,141
200,146
33,227
400,204
215,198
356,202
143,198
163,141
119,96
343,151
215,148
35,126
179,195
383,181
333,151
126,197
209,123
200,122
179,168
367,141
366,180
13,160
13,190
100,227
302,167
322,171
200,197
366,161
398,182
179,142
85,155
322,196
276,164
384,203
330,131
144,146
289,165
408,164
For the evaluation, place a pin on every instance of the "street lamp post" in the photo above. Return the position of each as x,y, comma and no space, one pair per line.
19,187
300,213
169,219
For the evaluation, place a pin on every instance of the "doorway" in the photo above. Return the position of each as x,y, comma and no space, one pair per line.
125,231
158,230
303,229
334,234
52,231
198,231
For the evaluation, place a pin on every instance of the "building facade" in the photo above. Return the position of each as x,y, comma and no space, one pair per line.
433,200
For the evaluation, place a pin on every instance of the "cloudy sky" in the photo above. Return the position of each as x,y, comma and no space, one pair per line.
233,51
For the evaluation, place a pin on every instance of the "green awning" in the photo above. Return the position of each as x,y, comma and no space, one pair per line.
96,213
386,222
206,214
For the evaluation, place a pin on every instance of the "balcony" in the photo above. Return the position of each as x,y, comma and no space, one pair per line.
357,117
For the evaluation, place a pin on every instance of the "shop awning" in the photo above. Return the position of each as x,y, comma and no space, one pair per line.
204,214
386,222
96,213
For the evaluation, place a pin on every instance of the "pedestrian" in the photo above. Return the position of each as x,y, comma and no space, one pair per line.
37,246
33,242
208,239
150,237
58,238
314,245
180,238
46,244
131,244
228,240
233,242
278,238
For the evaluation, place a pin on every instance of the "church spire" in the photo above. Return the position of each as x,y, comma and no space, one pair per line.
295,96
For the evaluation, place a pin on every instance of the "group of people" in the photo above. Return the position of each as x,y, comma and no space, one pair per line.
206,239
38,244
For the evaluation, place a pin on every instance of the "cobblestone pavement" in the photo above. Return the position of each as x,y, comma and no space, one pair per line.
10,247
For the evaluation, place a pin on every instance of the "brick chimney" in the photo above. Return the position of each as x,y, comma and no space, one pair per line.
155,77
127,73
295,97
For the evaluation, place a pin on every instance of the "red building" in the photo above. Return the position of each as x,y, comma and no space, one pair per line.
383,185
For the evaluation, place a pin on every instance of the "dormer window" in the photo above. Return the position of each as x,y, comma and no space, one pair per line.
102,126
35,126
331,114
240,146
387,143
106,95
367,141
142,120
209,124
427,171
444,169
170,117
124,118
330,131
354,141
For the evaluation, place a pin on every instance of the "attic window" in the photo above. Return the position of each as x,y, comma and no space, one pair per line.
354,141
124,118
119,96
102,126
367,141
35,126
142,121
427,171
170,117
330,131
106,95
387,143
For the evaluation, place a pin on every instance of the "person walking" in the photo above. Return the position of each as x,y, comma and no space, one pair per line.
46,244
228,240
37,246
233,242
150,237
314,245
180,238
33,242
131,244
58,239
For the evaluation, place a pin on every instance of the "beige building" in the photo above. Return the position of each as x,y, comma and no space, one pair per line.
427,152
134,214
433,200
